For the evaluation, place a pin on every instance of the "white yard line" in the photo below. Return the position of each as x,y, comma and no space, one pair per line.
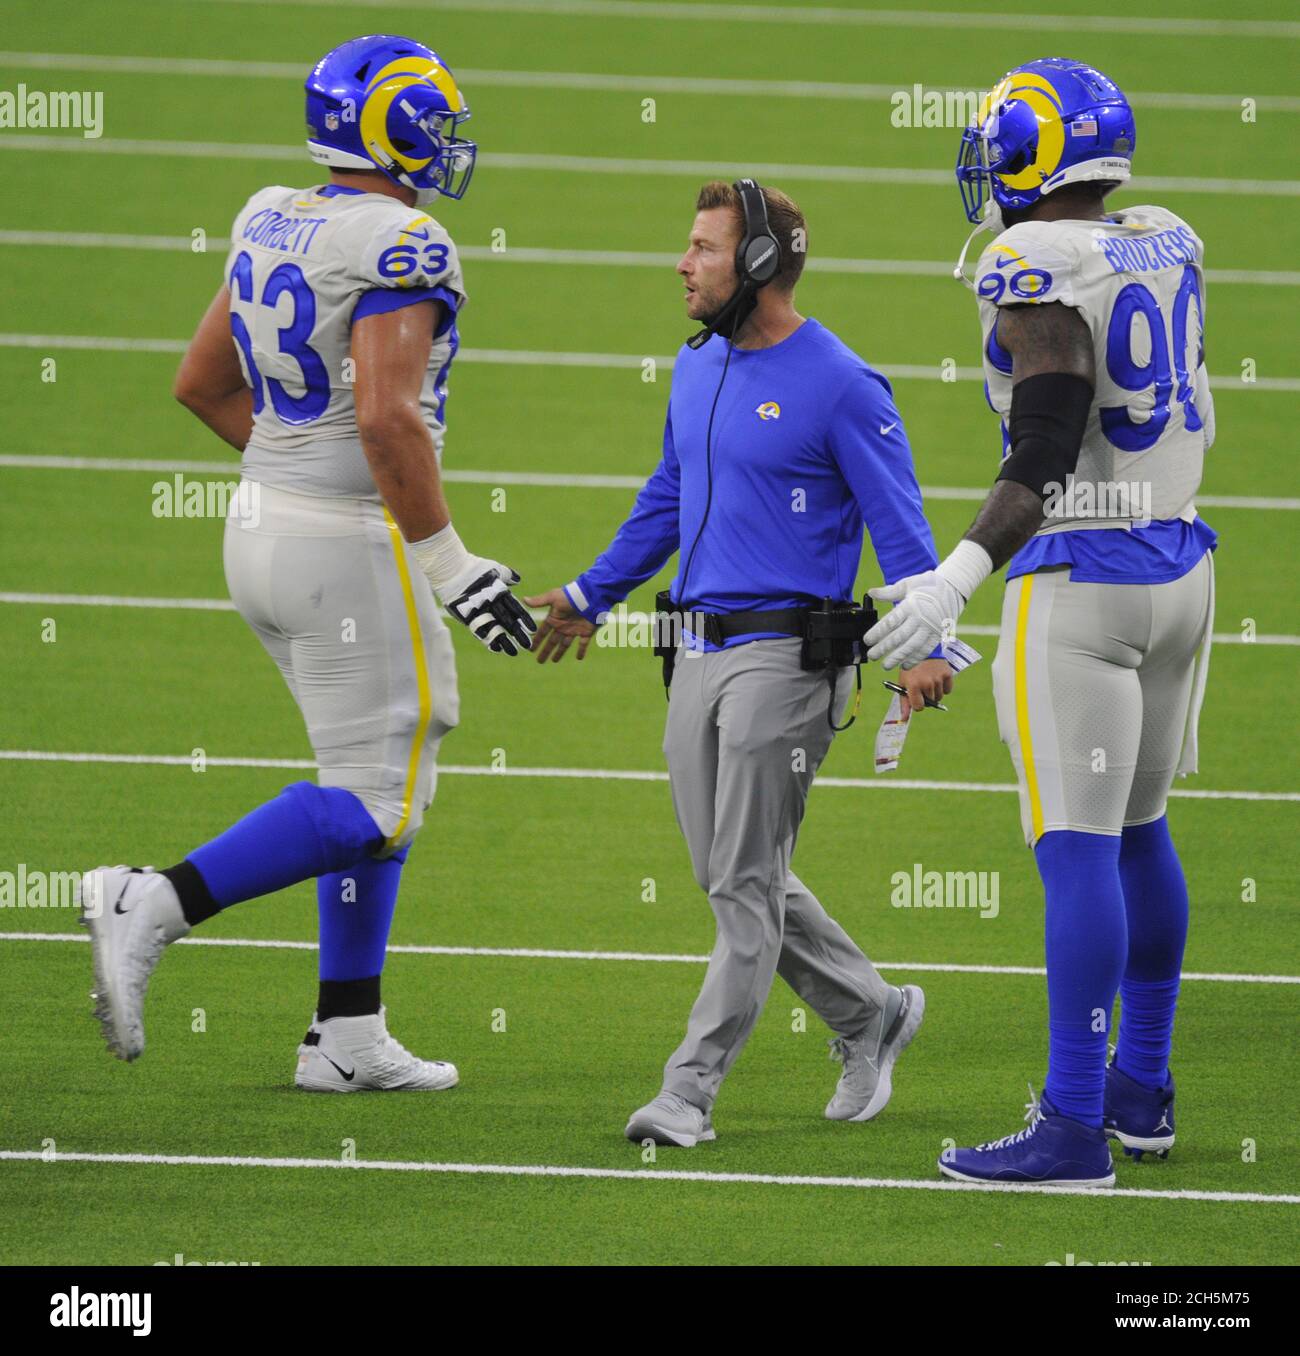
552,479
231,468
1219,637
111,600
520,357
650,1174
649,957
746,16
522,254
140,148
471,78
225,605
884,783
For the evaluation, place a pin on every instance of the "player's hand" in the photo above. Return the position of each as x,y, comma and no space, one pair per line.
930,678
560,628
926,608
480,597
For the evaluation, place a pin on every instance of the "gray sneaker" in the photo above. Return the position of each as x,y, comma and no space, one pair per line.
671,1120
868,1058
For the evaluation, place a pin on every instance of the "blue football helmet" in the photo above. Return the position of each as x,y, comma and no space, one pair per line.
389,103
1044,124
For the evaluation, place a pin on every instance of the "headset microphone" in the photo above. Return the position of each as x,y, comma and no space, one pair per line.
758,258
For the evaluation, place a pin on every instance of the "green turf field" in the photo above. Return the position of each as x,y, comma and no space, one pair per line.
95,243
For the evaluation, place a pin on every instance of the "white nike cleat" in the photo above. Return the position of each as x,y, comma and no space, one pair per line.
867,1081
672,1120
356,1054
131,913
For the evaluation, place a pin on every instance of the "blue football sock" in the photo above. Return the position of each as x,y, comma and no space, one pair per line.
1155,901
1086,944
306,831
356,911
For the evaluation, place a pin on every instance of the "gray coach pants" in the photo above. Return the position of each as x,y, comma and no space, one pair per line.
746,733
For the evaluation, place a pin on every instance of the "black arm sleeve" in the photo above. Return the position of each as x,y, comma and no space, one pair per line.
1049,413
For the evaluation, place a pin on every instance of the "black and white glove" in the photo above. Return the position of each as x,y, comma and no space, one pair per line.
476,591
481,598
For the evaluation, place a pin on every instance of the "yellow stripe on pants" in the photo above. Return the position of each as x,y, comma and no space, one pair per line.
1022,708
421,678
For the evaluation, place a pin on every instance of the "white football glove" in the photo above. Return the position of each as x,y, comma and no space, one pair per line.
476,591
480,597
926,607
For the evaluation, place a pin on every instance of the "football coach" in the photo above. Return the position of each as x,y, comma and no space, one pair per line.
780,444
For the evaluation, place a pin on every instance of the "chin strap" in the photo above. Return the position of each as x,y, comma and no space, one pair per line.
992,221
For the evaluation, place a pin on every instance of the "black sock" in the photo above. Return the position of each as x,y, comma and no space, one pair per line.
197,903
347,998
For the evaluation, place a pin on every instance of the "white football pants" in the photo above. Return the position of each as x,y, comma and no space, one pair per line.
1098,690
331,589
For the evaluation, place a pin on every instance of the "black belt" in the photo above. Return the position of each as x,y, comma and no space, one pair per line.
718,627
832,635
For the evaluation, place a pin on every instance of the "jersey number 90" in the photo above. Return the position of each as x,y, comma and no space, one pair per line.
1136,302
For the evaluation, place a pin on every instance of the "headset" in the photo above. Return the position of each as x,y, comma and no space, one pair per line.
758,259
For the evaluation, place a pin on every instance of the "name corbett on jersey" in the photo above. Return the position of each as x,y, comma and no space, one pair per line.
25,107
1163,249
275,231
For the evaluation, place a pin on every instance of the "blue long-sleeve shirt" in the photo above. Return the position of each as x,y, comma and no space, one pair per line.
807,446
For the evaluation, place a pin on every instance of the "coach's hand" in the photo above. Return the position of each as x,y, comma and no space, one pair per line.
930,678
560,628
926,608
480,597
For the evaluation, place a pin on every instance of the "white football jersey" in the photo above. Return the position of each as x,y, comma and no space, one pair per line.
303,265
1137,280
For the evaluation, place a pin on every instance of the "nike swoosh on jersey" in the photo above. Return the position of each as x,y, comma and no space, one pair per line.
888,428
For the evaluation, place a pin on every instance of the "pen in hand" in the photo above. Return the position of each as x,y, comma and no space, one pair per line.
902,692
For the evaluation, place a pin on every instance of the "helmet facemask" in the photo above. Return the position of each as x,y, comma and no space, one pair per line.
430,158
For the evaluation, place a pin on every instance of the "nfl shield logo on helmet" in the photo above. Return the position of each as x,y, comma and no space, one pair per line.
331,122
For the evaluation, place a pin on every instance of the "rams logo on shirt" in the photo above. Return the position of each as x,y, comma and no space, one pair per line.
769,409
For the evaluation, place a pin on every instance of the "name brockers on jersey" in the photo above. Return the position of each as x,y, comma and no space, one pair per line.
1164,249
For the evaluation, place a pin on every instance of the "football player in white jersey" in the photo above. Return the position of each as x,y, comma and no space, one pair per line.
324,358
1093,324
